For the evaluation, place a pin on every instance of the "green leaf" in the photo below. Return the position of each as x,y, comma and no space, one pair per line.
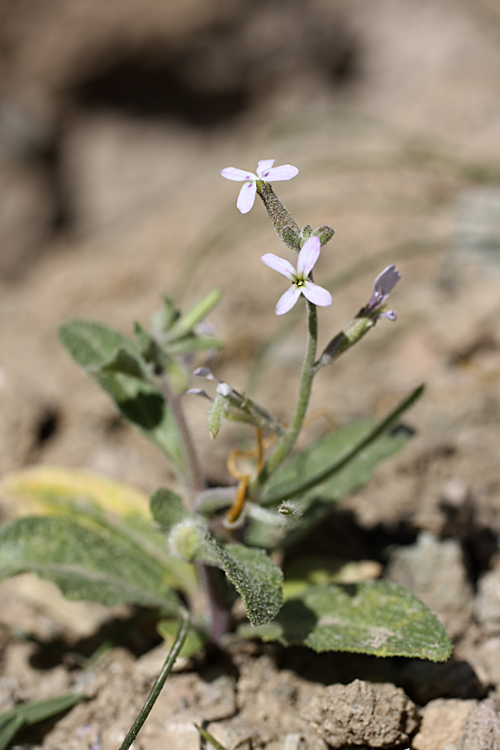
30,713
327,471
9,726
256,578
376,618
117,365
187,322
98,503
316,465
40,710
194,640
167,509
162,320
83,563
122,362
209,738
216,414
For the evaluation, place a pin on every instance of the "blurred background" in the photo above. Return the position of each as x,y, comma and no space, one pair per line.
115,120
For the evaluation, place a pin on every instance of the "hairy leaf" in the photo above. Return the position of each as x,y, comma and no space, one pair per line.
97,503
167,509
256,578
84,563
117,365
375,617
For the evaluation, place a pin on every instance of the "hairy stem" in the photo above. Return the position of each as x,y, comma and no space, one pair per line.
195,479
287,441
160,682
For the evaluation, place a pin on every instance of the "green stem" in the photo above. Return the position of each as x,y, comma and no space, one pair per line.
287,441
160,681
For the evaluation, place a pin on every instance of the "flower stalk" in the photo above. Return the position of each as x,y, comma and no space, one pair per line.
287,441
283,222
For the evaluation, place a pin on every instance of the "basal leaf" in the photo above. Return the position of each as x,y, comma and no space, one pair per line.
47,489
97,503
375,617
84,563
117,365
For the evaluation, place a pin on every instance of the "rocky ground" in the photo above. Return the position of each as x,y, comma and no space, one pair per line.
114,125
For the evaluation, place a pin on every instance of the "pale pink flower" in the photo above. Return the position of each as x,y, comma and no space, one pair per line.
265,172
299,278
382,287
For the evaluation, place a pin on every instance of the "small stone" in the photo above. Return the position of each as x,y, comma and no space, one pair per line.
442,723
363,713
482,728
489,655
487,604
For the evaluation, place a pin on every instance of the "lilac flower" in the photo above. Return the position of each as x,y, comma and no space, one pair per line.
300,283
382,287
265,172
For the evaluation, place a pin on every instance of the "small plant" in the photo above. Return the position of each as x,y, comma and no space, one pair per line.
95,539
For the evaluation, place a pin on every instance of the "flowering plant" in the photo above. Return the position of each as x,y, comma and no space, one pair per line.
95,540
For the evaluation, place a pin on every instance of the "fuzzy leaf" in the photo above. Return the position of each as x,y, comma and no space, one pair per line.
121,361
216,414
376,618
114,361
256,578
167,509
97,503
84,563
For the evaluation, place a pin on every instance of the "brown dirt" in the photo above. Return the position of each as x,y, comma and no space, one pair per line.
113,127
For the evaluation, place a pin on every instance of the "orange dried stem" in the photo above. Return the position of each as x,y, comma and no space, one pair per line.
235,510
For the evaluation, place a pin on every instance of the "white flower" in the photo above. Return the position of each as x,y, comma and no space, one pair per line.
300,283
265,172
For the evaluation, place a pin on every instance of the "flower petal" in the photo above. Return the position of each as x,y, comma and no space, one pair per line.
389,314
287,300
246,198
279,264
386,281
316,294
238,175
264,165
286,172
308,255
